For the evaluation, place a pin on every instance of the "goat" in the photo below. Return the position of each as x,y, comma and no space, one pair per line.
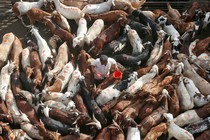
73,84
91,104
114,91
155,117
94,31
15,53
5,76
98,8
5,47
81,32
135,41
108,17
25,61
70,12
201,46
13,134
63,34
133,131
107,36
60,60
198,126
122,5
156,131
189,72
173,13
22,7
133,61
44,49
61,80
137,85
174,129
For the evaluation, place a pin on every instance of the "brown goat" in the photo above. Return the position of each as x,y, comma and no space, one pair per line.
63,34
201,46
37,68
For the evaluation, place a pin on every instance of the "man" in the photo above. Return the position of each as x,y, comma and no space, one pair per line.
101,68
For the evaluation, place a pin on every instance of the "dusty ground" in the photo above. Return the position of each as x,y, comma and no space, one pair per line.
10,23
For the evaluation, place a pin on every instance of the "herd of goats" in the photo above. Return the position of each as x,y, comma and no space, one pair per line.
47,87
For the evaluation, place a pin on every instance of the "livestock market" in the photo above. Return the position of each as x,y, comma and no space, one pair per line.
104,70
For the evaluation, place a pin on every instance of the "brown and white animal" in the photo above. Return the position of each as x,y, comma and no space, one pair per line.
46,134
22,7
26,108
5,47
156,131
189,72
108,17
61,21
156,116
176,131
111,131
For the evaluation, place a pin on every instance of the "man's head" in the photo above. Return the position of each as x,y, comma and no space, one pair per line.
103,59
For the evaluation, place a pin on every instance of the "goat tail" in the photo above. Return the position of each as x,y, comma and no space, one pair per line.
6,12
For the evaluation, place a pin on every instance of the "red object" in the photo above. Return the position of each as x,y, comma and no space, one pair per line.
117,74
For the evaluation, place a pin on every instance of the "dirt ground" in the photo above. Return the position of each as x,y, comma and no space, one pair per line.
10,23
